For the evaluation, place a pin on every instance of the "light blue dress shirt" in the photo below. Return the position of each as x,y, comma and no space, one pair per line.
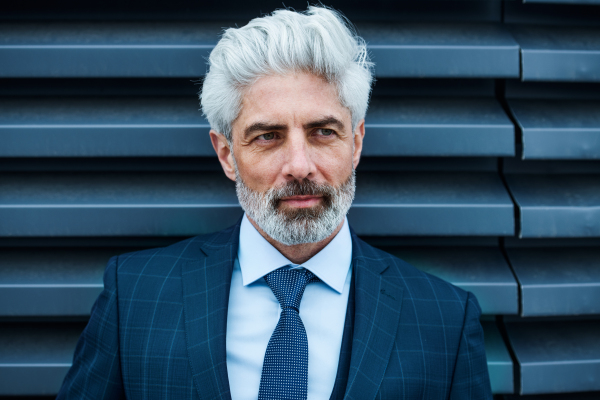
253,311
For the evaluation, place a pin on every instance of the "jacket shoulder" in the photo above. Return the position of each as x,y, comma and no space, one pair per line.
416,282
162,261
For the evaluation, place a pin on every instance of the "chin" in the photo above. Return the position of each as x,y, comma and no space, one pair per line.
296,213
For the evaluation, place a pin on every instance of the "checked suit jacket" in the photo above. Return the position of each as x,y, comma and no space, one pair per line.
157,331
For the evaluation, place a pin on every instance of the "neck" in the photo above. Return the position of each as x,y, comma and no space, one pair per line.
298,253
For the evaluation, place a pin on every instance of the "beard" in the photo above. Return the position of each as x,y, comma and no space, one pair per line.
292,226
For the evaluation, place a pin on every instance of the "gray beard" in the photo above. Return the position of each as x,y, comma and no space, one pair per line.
297,226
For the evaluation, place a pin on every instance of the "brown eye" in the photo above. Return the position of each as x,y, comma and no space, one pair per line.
268,136
326,132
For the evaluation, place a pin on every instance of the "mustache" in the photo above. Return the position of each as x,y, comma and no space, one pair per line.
304,187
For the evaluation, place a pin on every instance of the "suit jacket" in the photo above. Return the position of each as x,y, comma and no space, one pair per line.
157,331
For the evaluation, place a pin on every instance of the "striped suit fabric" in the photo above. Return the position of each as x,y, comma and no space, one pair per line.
158,329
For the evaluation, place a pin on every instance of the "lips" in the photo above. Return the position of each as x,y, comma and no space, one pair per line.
301,201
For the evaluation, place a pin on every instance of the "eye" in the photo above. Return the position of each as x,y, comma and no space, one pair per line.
267,136
326,132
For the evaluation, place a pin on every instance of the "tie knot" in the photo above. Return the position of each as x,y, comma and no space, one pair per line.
288,285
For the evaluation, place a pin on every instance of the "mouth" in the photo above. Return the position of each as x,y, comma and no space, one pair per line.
301,201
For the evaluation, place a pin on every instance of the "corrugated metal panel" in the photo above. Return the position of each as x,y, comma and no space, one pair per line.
102,49
101,127
480,270
99,204
442,50
116,204
567,396
169,49
438,127
215,10
555,129
514,166
35,358
564,1
173,126
525,12
499,362
557,205
431,204
557,281
555,357
51,282
61,282
559,53
563,91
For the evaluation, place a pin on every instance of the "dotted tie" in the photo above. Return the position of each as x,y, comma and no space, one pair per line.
285,368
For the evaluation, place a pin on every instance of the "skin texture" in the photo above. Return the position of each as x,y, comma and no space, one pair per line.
291,127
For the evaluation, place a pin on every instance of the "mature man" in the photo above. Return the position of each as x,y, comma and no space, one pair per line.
288,303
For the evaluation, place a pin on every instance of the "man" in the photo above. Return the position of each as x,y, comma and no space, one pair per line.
288,303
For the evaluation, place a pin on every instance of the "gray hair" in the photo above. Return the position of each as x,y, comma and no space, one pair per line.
318,41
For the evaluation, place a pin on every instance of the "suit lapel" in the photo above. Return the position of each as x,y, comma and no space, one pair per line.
206,283
378,300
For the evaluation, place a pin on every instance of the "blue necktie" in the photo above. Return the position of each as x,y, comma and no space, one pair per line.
285,368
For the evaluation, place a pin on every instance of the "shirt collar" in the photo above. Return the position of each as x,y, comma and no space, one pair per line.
257,257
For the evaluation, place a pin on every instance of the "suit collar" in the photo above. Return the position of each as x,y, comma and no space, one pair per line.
331,264
206,283
378,300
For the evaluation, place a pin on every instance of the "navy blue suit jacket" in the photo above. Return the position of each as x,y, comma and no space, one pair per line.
158,329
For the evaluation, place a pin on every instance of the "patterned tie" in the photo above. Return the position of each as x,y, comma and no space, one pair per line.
285,368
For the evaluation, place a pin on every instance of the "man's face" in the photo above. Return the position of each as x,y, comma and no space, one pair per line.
295,154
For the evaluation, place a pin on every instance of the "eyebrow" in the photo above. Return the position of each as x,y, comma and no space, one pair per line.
327,121
262,127
265,126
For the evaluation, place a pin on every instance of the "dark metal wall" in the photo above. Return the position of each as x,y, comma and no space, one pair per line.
481,165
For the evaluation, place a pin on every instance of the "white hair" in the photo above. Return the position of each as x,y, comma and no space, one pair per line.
319,41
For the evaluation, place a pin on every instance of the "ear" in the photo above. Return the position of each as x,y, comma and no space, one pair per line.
359,135
224,153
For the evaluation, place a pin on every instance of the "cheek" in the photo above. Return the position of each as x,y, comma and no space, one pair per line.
335,164
259,171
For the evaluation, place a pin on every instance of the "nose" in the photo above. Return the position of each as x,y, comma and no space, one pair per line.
298,161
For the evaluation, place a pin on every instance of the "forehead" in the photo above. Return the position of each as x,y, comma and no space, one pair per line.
290,99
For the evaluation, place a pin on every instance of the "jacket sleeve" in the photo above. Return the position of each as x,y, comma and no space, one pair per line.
471,379
96,369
